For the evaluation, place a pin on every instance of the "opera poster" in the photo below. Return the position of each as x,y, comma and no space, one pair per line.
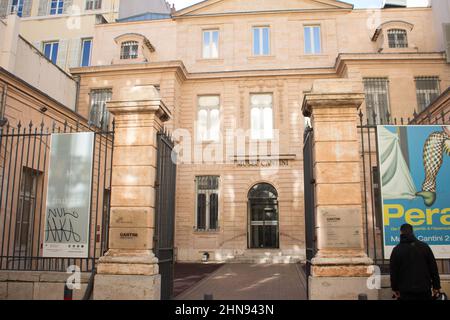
69,196
415,184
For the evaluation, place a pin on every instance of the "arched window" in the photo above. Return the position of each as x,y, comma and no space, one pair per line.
397,38
129,50
263,191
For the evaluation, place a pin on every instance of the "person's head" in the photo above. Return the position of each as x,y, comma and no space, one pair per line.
407,230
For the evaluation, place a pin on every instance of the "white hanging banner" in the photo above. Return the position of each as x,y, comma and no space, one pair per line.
69,196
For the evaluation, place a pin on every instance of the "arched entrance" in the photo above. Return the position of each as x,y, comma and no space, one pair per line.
263,220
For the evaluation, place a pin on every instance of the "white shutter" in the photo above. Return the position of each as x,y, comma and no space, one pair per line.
74,53
67,5
447,40
26,12
4,5
43,7
62,54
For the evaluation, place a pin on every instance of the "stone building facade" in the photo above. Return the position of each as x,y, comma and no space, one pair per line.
230,60
62,29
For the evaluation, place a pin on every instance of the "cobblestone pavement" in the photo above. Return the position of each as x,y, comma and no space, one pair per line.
251,282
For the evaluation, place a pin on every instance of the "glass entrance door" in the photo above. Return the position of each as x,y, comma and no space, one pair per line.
263,224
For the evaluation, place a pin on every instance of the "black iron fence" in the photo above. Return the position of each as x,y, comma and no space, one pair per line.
165,213
24,164
372,201
309,182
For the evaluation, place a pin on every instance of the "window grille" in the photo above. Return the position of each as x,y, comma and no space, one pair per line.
377,99
427,90
129,50
397,38
99,115
93,4
207,203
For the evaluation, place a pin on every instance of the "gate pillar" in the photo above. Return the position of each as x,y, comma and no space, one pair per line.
129,270
340,268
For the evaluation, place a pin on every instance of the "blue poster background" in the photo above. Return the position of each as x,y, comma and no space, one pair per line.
437,234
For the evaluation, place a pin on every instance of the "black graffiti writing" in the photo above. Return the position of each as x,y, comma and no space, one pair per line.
60,226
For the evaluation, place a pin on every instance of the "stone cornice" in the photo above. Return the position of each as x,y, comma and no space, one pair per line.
145,106
333,71
317,100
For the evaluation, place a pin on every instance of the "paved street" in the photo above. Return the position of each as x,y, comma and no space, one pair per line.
251,282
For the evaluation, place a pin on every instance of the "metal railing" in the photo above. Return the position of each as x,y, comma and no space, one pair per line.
24,164
371,189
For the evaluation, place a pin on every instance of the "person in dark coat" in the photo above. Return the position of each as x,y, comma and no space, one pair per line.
414,271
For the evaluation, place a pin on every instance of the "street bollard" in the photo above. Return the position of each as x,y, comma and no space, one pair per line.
68,293
363,296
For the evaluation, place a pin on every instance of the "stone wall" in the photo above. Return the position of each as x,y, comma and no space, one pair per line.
34,285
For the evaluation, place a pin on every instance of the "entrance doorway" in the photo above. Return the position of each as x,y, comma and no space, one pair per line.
263,223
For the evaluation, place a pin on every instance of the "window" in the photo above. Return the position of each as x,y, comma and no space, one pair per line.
261,41
56,7
129,50
86,49
17,6
99,114
261,116
208,118
211,44
207,202
427,90
377,99
51,50
93,4
397,38
25,213
312,40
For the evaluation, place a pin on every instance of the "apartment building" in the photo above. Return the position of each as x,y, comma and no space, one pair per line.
62,29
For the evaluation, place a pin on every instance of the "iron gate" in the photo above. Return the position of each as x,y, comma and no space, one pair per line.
165,213
24,164
310,219
372,202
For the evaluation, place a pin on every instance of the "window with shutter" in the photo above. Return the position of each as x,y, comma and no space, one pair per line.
67,5
207,207
4,5
43,7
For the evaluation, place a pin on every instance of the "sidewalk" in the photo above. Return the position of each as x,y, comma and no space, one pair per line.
251,282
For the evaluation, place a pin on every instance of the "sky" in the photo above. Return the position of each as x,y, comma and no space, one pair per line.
180,4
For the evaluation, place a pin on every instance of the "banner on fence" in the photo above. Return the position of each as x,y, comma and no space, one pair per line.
69,195
415,184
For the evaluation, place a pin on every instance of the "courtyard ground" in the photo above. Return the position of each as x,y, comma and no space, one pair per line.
250,282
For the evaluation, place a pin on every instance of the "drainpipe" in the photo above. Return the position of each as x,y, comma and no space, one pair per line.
3,119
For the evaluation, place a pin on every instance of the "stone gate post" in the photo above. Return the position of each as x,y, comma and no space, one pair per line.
340,269
129,270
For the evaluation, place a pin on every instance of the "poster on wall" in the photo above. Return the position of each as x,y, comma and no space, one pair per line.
415,184
69,195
